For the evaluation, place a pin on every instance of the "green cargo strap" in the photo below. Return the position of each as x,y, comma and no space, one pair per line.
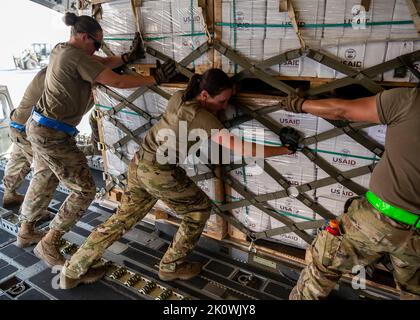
395,213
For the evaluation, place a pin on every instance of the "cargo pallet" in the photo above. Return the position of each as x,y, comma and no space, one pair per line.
257,106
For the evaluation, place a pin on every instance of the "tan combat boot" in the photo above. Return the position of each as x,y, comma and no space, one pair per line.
12,199
48,249
184,271
28,235
91,276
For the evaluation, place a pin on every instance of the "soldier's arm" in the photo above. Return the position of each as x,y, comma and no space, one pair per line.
112,79
247,149
362,110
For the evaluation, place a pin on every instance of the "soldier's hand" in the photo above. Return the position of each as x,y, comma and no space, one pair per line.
136,50
290,138
292,103
164,72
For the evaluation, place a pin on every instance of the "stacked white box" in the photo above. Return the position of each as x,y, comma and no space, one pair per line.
183,46
296,211
394,50
243,29
307,126
309,67
111,134
188,29
243,20
162,44
383,19
329,48
118,18
175,28
156,18
119,25
358,56
348,19
150,102
374,55
271,49
296,168
155,104
359,17
156,23
382,11
344,154
402,15
243,47
334,14
253,50
187,17
257,220
351,56
258,182
310,13
276,21
293,67
297,172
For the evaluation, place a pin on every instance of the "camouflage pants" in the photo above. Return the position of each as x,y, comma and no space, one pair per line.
57,152
366,236
19,164
146,184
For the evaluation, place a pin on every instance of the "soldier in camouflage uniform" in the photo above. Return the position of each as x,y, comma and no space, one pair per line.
385,221
19,164
150,180
72,71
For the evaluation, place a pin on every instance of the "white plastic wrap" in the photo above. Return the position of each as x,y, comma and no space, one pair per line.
173,27
118,24
308,13
297,169
394,50
243,20
358,56
258,182
150,102
401,13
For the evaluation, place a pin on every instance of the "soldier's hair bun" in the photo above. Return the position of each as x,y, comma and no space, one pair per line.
70,19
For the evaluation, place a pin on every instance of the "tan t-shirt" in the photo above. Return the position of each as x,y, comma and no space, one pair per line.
189,112
68,84
396,179
31,96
